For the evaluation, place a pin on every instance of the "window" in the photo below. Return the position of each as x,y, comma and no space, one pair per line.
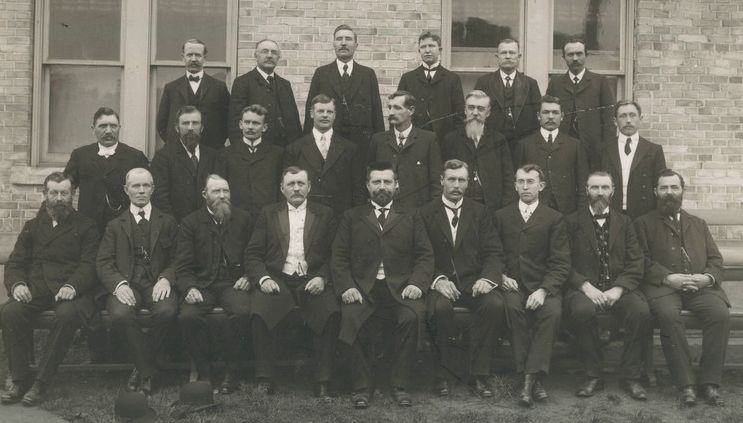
92,53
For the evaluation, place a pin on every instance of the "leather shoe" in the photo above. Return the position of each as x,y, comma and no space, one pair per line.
133,383
539,393
590,387
712,395
230,382
402,397
525,396
688,396
442,388
267,387
321,390
361,399
483,388
34,395
146,386
13,392
635,389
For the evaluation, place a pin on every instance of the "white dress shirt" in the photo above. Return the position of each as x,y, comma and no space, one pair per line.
428,72
134,210
324,147
626,161
252,144
380,271
107,151
196,151
527,209
340,66
295,262
545,134
580,76
265,75
601,222
195,85
405,133
503,76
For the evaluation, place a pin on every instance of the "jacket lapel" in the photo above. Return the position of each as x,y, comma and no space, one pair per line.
355,82
371,220
283,220
309,227
184,87
498,88
156,223
614,229
412,137
313,156
520,95
465,218
393,218
585,223
642,149
334,152
443,224
584,82
182,155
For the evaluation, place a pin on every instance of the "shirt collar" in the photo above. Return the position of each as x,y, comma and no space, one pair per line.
200,74
580,75
405,133
340,66
107,151
531,206
134,210
301,207
623,139
451,205
435,65
317,134
254,143
264,74
195,150
377,206
503,75
545,133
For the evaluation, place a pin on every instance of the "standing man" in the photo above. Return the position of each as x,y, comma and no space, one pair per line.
633,160
355,90
468,265
263,86
195,88
211,271
98,169
135,264
52,267
414,153
438,91
486,153
683,270
587,100
381,267
561,157
607,269
180,168
289,263
537,265
332,161
252,165
514,97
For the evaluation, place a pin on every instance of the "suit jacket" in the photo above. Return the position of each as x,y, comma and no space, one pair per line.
565,167
337,181
360,246
254,177
491,158
593,102
662,245
98,179
266,254
418,165
646,165
47,258
625,254
115,261
538,251
477,252
202,244
526,104
212,99
359,113
178,185
283,115
439,105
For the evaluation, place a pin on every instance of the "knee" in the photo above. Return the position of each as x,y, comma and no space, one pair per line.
67,314
551,311
582,311
121,315
716,315
639,314
189,316
666,314
442,307
407,319
11,311
491,305
165,312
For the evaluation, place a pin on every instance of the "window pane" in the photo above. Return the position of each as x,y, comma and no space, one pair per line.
84,29
75,93
179,20
598,22
478,26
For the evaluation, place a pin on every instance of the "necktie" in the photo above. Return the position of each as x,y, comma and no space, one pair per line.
345,75
400,141
141,216
323,146
455,218
429,73
194,159
526,213
549,138
381,218
508,82
252,148
576,80
194,78
628,147
271,81
142,221
601,216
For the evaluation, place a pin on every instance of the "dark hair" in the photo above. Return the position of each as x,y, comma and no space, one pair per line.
549,99
574,40
409,98
508,41
58,177
379,166
186,110
431,35
670,172
105,111
342,27
193,41
533,167
255,108
454,164
601,173
293,170
621,103
322,99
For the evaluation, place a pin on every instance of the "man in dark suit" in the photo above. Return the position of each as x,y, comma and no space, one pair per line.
537,265
211,272
562,158
355,90
514,97
289,262
263,86
52,267
485,151
135,264
607,268
633,160
252,165
195,88
180,168
437,90
381,267
587,99
333,164
468,265
414,153
683,270
98,169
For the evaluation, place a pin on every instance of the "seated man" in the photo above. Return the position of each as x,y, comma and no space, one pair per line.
537,264
382,264
211,272
683,270
607,269
135,265
289,259
52,267
468,265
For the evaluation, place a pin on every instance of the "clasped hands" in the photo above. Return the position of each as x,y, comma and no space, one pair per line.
688,282
602,299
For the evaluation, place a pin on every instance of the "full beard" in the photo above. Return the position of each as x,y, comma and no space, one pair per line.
474,128
669,204
222,209
59,211
599,203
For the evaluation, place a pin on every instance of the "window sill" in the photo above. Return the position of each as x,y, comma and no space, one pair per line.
31,175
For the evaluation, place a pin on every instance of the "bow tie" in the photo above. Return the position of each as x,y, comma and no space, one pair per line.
194,78
601,216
